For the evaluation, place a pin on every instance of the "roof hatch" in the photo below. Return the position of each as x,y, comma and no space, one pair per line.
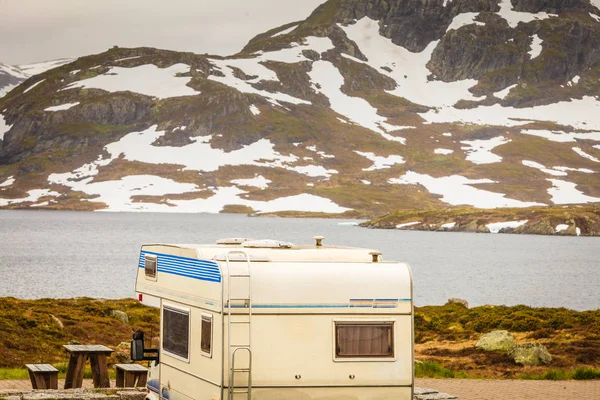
267,244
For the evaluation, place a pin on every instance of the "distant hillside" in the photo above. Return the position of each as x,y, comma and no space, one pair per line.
12,76
365,107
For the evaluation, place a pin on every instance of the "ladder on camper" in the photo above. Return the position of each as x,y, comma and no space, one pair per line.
239,298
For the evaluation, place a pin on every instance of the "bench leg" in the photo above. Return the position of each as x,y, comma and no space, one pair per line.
142,379
33,381
53,380
129,379
99,370
120,378
71,371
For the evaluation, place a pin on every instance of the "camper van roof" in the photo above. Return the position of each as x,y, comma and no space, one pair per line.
286,252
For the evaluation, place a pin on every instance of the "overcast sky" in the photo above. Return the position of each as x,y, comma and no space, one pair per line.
41,30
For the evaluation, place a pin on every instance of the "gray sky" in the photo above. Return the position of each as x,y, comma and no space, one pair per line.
41,30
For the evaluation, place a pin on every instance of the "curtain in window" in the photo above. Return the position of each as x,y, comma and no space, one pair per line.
364,340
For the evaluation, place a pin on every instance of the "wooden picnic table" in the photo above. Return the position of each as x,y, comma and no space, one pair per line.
78,355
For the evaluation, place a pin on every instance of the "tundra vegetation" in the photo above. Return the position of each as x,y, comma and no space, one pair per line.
445,336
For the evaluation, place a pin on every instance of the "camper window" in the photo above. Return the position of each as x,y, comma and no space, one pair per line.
176,332
150,266
206,339
364,340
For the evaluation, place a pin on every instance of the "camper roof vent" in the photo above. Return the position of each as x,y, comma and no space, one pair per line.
267,244
235,240
241,257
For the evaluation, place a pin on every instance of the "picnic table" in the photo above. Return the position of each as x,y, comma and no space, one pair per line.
79,354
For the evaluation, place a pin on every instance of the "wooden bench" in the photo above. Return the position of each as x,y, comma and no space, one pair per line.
43,376
131,375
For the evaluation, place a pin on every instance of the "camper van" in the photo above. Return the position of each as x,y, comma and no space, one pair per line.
266,319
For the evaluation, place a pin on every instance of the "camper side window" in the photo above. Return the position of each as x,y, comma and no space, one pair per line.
176,332
150,266
206,339
364,340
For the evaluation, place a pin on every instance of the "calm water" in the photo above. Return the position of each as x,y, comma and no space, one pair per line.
69,254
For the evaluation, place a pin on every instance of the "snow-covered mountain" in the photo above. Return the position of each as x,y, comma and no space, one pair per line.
11,76
364,107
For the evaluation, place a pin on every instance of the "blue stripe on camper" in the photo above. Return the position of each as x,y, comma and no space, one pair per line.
203,270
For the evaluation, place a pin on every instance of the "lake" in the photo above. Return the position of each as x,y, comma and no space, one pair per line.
71,254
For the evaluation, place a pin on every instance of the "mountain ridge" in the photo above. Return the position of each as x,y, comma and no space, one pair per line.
331,114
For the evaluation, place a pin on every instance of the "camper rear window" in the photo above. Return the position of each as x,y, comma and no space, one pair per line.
150,266
176,332
370,340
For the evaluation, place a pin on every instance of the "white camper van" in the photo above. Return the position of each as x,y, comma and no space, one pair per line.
265,319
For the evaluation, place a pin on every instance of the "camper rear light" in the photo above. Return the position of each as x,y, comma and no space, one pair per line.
140,297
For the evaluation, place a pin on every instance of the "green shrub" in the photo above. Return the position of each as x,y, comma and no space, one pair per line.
584,373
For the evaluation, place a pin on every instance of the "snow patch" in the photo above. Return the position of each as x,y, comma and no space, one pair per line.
343,121
579,113
321,153
578,231
39,68
585,155
562,137
364,182
254,110
574,81
444,152
533,164
597,18
497,226
456,190
285,31
563,192
33,197
513,18
258,181
447,134
74,72
561,227
4,127
536,47
464,19
400,226
8,182
147,79
32,86
408,69
448,225
6,89
584,170
127,58
504,92
327,79
380,162
62,107
480,151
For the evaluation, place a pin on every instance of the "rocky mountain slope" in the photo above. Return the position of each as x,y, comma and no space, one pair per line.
365,106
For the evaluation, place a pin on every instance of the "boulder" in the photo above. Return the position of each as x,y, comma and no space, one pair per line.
123,353
530,354
496,341
120,315
57,322
456,300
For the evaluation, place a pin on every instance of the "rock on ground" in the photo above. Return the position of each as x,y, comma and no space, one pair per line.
531,354
120,315
496,341
431,394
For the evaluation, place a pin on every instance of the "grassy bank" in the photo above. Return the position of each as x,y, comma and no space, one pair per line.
445,336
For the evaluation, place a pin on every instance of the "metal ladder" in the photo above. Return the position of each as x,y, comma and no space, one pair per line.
237,301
